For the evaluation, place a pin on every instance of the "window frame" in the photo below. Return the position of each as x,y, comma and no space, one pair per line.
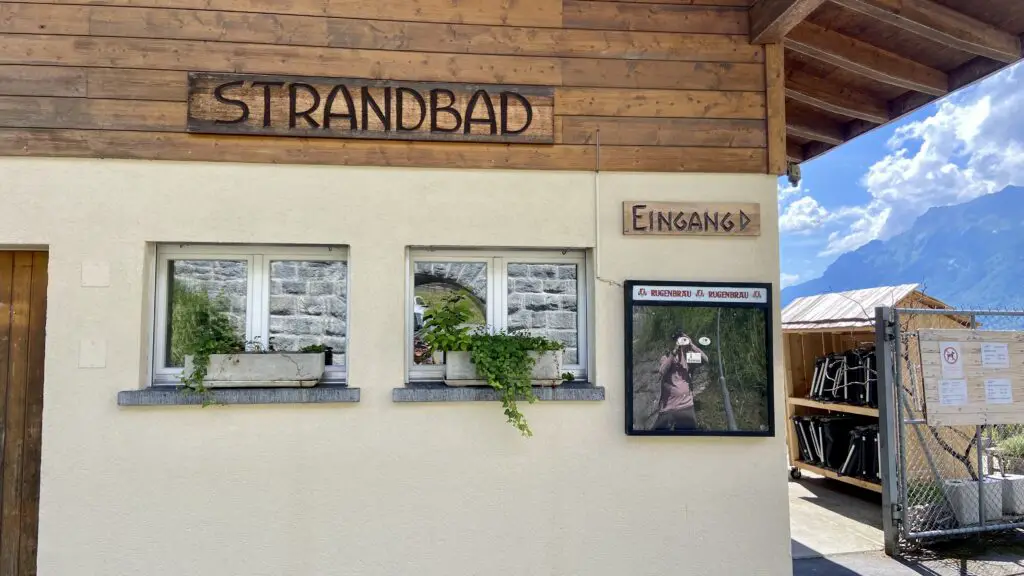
497,262
257,310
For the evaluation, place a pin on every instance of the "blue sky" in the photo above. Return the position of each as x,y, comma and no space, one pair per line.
968,144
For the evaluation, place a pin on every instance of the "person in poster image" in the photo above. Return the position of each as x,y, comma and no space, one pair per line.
675,409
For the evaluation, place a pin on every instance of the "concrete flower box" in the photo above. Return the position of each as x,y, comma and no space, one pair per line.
459,369
963,499
271,370
1013,494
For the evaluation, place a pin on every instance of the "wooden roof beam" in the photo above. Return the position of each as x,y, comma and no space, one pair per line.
794,152
864,59
841,100
811,126
969,73
771,20
942,24
814,149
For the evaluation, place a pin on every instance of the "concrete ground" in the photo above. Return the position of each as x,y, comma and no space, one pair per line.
1005,563
829,518
837,531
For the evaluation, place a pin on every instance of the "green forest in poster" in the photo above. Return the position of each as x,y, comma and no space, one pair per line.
736,365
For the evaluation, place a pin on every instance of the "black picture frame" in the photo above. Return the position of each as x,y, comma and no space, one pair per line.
631,293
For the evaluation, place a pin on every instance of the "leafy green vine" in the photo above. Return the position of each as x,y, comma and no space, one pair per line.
503,359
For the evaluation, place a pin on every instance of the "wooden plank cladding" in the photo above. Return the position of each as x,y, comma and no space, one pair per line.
372,109
654,17
672,85
180,146
545,13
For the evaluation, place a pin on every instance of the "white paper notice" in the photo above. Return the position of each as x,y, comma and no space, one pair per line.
953,392
952,360
693,358
995,355
998,391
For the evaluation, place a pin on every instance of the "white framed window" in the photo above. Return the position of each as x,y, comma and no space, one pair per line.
539,290
285,297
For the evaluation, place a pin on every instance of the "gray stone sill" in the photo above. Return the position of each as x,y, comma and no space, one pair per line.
176,396
438,392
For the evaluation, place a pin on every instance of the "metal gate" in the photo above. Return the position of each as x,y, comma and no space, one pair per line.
940,481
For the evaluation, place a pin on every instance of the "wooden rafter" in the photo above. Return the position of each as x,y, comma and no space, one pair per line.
794,152
858,127
813,149
970,72
771,20
821,94
943,25
813,126
864,59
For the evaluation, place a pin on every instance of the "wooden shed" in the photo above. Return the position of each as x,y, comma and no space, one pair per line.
815,326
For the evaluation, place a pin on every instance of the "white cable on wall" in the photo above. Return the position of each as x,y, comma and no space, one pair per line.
597,207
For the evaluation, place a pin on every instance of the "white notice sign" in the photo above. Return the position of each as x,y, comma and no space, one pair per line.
952,360
995,355
998,391
693,358
953,392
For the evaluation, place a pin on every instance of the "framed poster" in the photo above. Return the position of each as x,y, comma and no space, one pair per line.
699,359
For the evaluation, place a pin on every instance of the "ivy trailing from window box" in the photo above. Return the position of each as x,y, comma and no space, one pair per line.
503,359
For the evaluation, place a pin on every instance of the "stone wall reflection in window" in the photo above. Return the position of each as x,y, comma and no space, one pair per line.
308,306
543,298
285,297
434,282
199,286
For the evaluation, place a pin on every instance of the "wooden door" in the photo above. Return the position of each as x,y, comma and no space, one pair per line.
22,337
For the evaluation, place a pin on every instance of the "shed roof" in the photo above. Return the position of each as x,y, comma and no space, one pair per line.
852,309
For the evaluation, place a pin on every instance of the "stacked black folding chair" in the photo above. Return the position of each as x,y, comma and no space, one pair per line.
848,378
824,441
863,454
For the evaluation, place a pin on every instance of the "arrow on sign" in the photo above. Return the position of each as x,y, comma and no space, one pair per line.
744,220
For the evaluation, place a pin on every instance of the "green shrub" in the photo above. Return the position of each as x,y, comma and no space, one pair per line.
444,325
1013,447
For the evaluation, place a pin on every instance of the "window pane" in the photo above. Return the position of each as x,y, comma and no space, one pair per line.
543,298
435,282
308,306
202,290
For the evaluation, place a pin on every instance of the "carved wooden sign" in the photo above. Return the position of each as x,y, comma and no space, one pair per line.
695,219
373,109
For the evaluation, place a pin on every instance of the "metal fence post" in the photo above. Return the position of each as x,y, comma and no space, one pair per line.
884,347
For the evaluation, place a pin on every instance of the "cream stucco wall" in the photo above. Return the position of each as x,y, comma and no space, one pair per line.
376,488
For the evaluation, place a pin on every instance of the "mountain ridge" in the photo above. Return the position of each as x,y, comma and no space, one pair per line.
967,255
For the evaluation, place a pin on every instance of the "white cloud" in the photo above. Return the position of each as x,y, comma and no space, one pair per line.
971,146
803,216
787,191
787,280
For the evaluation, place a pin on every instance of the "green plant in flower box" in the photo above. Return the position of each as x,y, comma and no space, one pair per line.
200,327
444,326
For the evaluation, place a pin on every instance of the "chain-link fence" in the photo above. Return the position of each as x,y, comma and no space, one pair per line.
949,480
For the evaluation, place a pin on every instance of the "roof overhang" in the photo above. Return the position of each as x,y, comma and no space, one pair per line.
854,65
